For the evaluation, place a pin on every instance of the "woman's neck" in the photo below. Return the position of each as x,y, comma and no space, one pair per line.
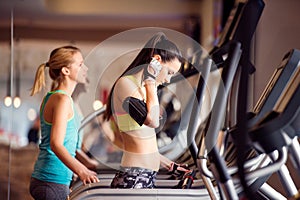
67,87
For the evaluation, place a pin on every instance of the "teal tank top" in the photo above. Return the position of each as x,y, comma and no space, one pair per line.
48,166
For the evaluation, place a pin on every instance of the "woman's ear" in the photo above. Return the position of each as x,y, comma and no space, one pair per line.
65,71
157,57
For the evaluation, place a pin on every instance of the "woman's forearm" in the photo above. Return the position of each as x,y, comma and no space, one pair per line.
165,162
152,104
62,153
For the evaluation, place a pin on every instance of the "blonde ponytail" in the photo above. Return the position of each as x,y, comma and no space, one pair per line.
39,81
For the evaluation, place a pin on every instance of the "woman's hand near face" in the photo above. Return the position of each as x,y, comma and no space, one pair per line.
152,70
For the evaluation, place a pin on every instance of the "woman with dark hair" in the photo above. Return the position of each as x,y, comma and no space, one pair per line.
133,109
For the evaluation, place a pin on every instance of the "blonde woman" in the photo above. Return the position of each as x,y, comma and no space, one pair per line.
55,164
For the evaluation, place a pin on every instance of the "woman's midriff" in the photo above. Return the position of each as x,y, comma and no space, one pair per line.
140,149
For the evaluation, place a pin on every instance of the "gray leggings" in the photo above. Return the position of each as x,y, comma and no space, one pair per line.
41,190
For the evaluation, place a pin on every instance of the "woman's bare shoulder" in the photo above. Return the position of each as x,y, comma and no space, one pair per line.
59,99
124,80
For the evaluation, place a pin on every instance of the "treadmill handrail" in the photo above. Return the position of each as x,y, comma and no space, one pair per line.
91,116
271,168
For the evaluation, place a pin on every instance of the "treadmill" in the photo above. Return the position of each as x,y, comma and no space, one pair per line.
276,129
281,77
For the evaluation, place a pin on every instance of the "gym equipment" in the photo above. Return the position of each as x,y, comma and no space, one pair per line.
276,130
238,30
270,97
235,47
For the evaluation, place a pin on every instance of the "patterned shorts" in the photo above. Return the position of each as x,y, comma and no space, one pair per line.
134,177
